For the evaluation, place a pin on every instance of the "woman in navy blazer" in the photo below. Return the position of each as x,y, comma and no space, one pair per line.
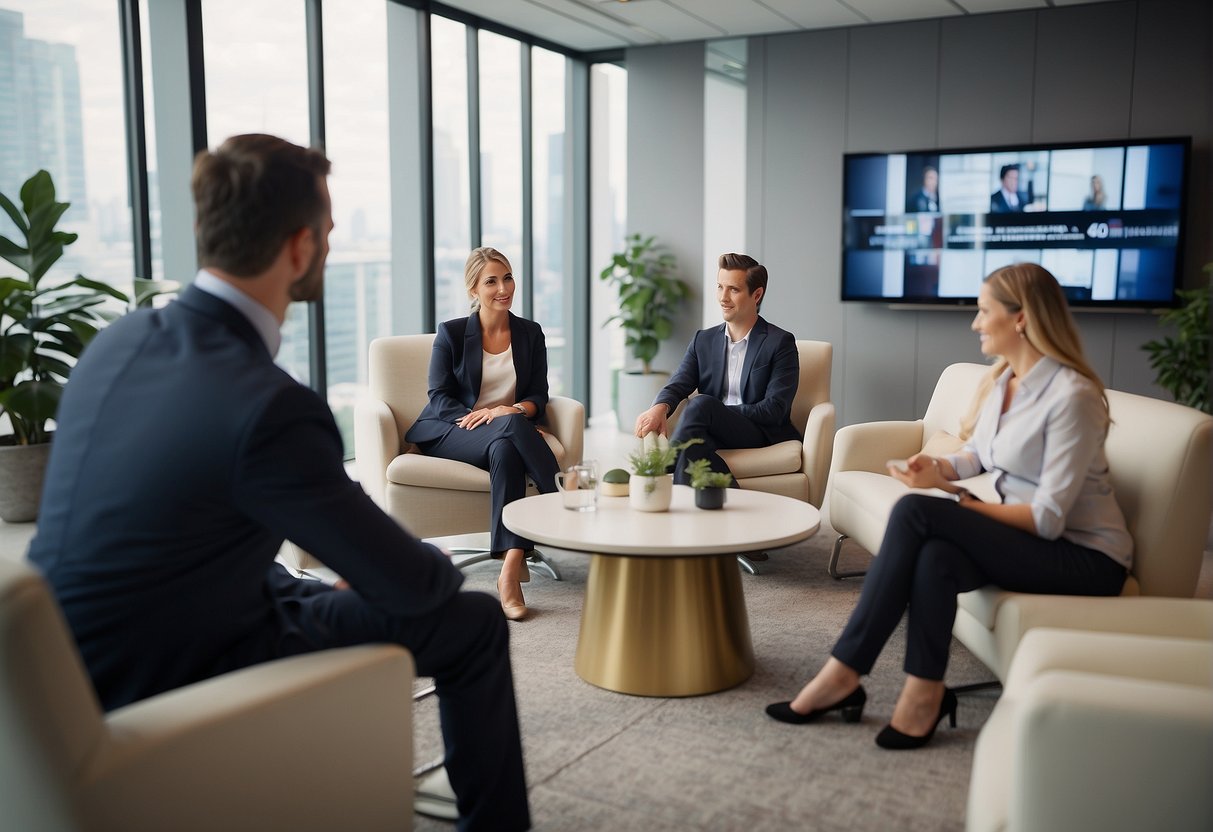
488,387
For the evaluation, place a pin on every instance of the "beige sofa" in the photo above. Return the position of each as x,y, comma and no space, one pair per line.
1161,459
1102,732
242,751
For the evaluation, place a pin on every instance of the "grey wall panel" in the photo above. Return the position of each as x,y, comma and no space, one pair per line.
665,166
893,87
1173,96
944,338
755,168
892,103
1098,331
800,237
1084,72
1131,370
878,374
983,99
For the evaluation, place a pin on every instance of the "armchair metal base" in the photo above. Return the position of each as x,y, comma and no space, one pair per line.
465,556
832,568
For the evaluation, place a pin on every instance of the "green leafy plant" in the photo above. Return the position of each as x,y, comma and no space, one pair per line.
655,455
44,325
1181,364
702,476
649,296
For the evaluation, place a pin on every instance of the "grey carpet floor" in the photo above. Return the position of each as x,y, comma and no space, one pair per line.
602,760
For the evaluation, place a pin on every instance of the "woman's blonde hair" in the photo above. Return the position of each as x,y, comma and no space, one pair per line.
477,260
1047,325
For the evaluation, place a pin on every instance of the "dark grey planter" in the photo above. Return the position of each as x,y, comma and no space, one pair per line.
22,469
710,498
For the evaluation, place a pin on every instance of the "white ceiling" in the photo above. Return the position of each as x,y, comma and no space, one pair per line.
591,25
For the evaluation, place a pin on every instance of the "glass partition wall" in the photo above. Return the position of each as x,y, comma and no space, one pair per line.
444,134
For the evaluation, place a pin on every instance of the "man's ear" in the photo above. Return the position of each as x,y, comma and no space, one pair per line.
301,246
758,293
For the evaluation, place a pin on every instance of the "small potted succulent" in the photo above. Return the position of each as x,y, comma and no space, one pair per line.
710,486
651,487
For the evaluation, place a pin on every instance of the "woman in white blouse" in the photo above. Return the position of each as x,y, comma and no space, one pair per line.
488,386
1038,421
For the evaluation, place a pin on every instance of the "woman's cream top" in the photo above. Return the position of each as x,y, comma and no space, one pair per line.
498,380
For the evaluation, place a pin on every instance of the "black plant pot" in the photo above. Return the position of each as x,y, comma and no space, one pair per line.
710,498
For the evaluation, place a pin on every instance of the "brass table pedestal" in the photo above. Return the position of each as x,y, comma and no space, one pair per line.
664,626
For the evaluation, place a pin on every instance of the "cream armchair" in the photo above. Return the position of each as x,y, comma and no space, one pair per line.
1160,455
797,469
1100,731
429,496
209,756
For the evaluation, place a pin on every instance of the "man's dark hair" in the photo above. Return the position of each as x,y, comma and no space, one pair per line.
755,272
250,196
1004,170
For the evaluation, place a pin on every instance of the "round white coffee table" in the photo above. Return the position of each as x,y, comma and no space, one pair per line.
664,611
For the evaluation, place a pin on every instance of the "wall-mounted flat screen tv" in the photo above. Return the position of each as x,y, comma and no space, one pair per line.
1106,218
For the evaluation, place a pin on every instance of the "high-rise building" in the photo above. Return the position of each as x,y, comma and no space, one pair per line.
42,122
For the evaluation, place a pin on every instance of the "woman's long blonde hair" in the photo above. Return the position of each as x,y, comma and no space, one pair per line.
477,260
1047,325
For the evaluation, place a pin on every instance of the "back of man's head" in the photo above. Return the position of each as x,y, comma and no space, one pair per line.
755,272
250,196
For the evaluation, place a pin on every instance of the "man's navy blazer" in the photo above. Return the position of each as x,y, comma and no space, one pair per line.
182,458
998,203
457,362
769,376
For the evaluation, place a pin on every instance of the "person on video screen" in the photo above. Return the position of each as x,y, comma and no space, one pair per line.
1008,199
926,199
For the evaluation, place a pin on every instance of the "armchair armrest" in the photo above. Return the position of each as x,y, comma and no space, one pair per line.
207,756
1092,751
868,446
376,443
818,449
565,418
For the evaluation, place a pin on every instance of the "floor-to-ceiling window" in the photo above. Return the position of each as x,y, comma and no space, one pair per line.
548,194
452,233
357,278
608,215
501,148
256,82
61,111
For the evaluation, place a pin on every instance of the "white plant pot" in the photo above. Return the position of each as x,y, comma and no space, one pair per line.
636,394
651,493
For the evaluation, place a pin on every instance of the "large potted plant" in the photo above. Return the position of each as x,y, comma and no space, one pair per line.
44,325
1181,363
649,297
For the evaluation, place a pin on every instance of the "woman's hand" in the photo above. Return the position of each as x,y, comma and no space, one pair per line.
923,471
485,415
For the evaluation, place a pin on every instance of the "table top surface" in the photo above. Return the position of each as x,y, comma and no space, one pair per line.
750,520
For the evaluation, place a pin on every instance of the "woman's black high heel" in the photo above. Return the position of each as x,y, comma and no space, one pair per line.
851,706
892,739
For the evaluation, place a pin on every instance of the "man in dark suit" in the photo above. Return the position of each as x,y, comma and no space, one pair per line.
746,371
184,457
1008,199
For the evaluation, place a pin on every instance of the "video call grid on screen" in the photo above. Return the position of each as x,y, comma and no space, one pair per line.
1105,218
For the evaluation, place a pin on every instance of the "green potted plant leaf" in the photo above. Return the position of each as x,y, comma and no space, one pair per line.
710,486
649,298
1181,363
651,487
44,326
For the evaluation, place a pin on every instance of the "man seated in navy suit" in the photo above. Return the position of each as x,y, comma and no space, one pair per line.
746,371
183,458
